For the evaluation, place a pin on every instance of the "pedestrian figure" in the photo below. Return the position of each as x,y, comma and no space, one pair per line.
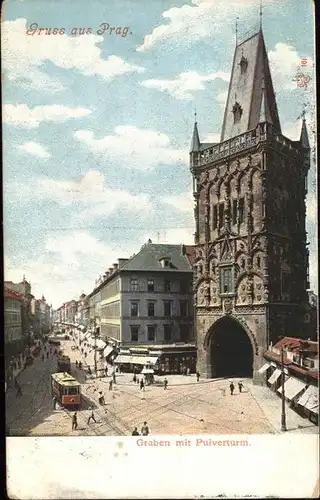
231,388
89,370
135,432
165,384
114,378
101,398
198,376
240,385
85,354
134,377
91,416
80,365
137,380
74,421
141,384
145,429
77,363
54,402
188,371
110,385
106,370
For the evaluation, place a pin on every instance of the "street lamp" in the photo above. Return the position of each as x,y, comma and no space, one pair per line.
283,401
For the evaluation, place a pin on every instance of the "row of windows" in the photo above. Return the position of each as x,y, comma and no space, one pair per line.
218,213
167,333
167,286
167,308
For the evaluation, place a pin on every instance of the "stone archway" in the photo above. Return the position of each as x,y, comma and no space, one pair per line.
230,349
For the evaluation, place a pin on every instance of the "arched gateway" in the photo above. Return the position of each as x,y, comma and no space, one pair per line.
229,349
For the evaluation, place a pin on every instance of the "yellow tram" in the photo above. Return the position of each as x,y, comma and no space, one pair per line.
66,389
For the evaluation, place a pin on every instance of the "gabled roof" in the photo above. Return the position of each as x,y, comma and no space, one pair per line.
250,79
150,255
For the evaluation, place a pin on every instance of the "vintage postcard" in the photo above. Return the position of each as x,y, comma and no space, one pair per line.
160,294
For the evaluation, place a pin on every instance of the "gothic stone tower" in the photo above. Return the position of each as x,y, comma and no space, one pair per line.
251,270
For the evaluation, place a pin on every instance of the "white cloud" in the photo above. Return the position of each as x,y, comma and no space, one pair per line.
68,264
285,64
183,202
185,83
222,97
23,116
89,194
203,19
25,55
211,138
35,149
133,147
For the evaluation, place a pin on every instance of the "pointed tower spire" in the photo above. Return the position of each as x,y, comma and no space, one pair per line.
250,69
304,138
261,15
195,143
263,115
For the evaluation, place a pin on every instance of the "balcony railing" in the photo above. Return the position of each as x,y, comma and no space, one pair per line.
242,142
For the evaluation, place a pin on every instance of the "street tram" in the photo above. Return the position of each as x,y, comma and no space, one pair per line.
66,389
64,364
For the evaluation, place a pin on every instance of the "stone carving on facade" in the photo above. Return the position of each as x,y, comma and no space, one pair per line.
227,306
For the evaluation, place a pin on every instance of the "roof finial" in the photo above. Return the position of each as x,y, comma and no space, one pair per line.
195,115
237,30
261,13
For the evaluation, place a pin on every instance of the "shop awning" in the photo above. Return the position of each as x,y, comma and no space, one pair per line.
292,387
274,377
144,360
264,368
310,399
122,358
108,349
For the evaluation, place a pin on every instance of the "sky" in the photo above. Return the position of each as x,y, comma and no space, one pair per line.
98,117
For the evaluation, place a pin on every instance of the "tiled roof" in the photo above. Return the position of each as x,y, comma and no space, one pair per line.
294,344
150,255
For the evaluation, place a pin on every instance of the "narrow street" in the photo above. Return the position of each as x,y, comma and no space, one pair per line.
186,407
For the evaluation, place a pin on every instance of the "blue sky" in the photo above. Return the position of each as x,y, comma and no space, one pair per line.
97,128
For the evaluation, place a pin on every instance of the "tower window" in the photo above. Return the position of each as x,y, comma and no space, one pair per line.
214,217
226,281
234,211
237,112
241,210
221,214
258,262
243,64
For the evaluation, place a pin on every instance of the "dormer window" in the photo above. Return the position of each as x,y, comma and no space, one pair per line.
165,262
243,64
237,112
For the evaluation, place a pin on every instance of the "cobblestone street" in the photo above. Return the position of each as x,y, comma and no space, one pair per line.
186,407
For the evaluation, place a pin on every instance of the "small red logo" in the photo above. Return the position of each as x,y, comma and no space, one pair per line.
304,61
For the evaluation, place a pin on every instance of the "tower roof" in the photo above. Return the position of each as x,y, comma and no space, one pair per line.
195,142
251,97
304,139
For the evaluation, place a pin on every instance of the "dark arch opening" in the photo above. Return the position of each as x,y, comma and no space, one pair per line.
231,350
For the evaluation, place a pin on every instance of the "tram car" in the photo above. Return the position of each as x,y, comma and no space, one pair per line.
66,389
64,364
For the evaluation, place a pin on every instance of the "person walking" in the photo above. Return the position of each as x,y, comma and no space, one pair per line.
135,432
141,385
19,392
106,371
198,376
76,363
80,365
114,378
91,416
134,378
54,402
240,385
145,429
231,388
165,384
74,421
110,385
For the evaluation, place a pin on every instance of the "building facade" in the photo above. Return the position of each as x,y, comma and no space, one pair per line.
251,270
146,302
13,313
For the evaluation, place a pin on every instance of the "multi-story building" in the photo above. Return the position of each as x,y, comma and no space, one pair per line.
24,288
146,306
13,334
250,214
83,310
